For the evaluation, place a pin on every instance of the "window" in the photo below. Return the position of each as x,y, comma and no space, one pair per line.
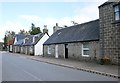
117,12
85,49
35,38
49,50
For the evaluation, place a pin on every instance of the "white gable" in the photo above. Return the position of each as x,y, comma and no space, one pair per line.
15,40
39,46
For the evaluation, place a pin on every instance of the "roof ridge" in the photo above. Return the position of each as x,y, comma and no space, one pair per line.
79,24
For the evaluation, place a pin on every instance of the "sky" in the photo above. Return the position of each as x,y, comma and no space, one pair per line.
17,15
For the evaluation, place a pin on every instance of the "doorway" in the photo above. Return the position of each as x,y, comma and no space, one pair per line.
66,51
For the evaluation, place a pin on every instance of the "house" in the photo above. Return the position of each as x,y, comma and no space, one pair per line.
1,46
10,44
77,42
17,42
95,40
33,44
17,46
109,16
27,46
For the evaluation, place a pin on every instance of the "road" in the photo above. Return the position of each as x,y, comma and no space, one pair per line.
15,68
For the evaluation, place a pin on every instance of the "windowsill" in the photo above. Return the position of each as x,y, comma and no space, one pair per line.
85,55
115,22
49,53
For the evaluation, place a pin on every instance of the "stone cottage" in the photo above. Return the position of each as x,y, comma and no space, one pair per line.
77,42
17,46
33,44
94,40
109,16
17,42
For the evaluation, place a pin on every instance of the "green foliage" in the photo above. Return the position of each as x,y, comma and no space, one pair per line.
8,36
12,33
5,41
23,32
34,30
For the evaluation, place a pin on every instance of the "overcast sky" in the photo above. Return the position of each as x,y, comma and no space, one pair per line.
16,15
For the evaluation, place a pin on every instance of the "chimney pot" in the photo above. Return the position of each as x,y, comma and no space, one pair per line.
45,30
45,26
56,24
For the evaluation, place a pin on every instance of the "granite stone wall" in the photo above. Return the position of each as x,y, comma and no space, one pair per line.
109,33
74,51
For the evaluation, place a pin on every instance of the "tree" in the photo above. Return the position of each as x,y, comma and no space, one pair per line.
34,30
10,35
23,32
5,42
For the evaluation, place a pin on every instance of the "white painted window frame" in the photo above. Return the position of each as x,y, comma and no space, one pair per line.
85,49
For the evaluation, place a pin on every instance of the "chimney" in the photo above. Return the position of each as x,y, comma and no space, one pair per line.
45,30
55,28
56,24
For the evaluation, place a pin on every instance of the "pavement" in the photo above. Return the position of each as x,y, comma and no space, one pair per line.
92,67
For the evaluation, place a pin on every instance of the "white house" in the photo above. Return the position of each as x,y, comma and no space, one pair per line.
33,44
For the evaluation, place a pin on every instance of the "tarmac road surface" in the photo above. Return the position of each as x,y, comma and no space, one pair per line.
15,68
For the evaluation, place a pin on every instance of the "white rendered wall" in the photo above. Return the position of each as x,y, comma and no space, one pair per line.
39,45
15,40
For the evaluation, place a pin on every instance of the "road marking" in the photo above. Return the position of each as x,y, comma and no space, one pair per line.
27,72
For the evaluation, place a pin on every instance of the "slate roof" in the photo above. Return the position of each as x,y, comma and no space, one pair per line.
106,3
19,36
88,31
20,42
30,39
109,2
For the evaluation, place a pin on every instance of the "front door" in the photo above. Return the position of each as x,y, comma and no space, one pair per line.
66,51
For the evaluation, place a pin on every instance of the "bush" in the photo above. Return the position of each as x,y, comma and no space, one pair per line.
105,60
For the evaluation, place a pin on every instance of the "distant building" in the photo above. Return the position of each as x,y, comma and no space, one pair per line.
32,44
10,44
1,46
17,37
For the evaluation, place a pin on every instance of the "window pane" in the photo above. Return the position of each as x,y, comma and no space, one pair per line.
117,16
85,45
116,8
85,52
